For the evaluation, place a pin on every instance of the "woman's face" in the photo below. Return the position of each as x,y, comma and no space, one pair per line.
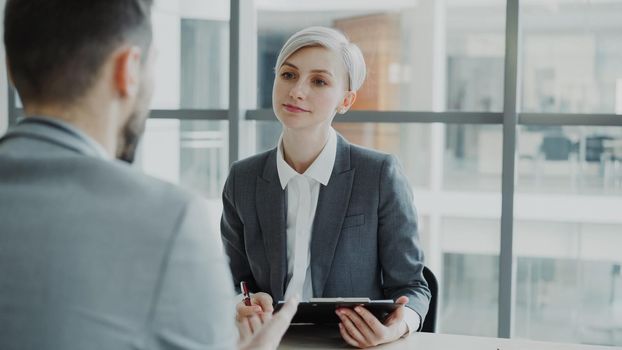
309,88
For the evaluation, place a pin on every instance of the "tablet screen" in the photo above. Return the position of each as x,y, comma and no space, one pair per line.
322,310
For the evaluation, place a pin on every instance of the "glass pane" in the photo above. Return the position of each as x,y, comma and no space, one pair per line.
193,154
569,286
570,160
470,251
473,158
572,57
421,55
567,232
192,66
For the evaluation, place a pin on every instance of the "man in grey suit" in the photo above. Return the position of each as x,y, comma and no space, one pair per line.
93,254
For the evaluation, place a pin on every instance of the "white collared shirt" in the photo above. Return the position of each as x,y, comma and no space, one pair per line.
303,191
302,196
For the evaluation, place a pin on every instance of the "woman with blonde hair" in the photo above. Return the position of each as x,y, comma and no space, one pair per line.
317,216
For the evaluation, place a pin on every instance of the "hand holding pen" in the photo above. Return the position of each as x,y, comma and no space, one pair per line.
255,304
245,293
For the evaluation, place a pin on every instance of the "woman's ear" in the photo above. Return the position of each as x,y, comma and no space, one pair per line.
347,102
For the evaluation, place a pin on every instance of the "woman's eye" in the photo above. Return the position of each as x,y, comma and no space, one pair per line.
320,82
287,75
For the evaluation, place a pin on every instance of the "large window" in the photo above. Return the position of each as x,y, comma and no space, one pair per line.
569,177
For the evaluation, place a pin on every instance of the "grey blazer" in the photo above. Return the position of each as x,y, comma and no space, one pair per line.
95,255
364,240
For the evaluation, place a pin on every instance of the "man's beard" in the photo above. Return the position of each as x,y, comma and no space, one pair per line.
130,136
135,126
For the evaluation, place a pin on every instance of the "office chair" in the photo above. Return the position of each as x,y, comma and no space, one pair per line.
556,147
429,323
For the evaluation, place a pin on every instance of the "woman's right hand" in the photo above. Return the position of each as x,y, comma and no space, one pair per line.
261,303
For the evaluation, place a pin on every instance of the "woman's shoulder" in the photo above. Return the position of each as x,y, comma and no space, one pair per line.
360,154
372,161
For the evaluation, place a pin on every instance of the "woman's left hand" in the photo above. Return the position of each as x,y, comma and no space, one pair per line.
362,329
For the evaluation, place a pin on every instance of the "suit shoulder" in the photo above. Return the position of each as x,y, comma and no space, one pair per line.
136,183
364,155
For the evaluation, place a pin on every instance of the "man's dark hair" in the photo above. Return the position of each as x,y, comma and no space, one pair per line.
56,48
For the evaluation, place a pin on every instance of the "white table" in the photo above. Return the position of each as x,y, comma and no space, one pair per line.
320,338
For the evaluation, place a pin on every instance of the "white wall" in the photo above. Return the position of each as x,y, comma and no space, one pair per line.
4,105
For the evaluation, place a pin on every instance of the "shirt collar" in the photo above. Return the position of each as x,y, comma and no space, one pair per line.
82,136
321,168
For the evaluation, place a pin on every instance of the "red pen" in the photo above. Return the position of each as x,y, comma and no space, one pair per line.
245,293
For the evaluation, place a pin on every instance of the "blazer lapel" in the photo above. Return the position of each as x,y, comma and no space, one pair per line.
331,210
270,204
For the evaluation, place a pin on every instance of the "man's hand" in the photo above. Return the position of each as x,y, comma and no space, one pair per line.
362,329
264,331
261,304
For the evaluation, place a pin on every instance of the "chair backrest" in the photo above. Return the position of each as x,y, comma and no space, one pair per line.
429,323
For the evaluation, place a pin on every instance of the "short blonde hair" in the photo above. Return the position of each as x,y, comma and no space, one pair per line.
331,39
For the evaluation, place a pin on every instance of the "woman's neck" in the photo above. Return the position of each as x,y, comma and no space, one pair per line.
302,147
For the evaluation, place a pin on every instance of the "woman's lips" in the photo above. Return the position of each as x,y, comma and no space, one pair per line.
294,109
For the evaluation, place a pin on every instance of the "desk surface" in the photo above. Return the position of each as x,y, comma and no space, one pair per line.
320,338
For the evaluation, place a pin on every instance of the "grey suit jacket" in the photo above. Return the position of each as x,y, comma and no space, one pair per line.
95,255
364,240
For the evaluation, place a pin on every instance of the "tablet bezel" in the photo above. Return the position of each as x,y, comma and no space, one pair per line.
323,312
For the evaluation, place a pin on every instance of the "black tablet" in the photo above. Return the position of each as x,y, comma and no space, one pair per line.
322,310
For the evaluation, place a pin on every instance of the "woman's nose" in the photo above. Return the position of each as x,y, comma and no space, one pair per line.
298,91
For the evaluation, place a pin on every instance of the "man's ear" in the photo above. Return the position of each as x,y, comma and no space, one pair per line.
7,65
127,70
347,102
